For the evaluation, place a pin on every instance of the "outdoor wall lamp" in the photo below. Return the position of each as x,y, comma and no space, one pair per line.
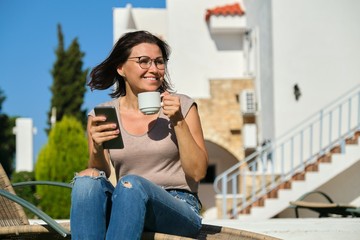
297,92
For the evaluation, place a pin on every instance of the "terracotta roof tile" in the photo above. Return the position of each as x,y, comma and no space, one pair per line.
231,9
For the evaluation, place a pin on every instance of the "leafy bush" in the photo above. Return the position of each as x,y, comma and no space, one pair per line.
64,154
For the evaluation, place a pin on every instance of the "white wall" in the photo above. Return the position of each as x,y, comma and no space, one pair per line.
195,58
316,45
259,20
129,19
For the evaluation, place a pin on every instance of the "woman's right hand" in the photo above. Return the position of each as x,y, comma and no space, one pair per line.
101,131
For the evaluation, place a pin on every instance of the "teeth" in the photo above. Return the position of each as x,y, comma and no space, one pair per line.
150,78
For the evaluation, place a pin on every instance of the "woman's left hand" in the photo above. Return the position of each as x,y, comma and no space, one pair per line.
172,107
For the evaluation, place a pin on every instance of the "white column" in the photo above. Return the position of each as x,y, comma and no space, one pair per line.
24,132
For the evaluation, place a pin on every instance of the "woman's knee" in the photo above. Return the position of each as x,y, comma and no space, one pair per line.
92,172
131,181
135,183
88,178
88,183
131,189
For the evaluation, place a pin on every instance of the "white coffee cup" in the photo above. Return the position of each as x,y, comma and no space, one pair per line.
149,102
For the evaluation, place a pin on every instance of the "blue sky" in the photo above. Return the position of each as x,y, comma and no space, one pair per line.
28,39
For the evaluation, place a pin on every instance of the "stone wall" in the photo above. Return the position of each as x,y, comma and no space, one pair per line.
221,116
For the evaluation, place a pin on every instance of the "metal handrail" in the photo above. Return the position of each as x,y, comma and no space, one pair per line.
51,222
290,153
48,183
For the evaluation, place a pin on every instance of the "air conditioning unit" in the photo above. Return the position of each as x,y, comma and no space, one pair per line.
247,102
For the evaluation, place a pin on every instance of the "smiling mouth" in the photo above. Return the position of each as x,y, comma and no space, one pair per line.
152,78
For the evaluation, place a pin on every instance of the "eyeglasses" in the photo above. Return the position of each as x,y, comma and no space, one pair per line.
145,62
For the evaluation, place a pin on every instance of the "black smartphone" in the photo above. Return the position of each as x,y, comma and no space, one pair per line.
110,113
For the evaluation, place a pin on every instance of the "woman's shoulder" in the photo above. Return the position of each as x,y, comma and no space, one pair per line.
186,102
184,97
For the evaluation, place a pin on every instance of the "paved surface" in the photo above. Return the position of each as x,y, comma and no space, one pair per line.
299,228
292,228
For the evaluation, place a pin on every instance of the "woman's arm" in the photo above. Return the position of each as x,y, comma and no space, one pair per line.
193,154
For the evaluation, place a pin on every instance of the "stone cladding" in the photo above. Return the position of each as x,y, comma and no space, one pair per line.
221,116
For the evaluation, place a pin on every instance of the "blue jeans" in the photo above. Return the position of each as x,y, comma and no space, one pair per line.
99,211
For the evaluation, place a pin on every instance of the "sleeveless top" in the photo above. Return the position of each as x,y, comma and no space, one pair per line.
154,155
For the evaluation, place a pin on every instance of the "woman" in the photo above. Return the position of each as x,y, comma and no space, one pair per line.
163,159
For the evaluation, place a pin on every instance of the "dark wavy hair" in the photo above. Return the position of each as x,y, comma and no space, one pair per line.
105,74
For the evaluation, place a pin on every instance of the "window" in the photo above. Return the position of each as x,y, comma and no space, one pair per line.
210,174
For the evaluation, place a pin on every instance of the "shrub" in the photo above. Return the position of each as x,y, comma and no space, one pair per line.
64,154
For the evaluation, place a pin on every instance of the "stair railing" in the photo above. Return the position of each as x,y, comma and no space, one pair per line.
270,166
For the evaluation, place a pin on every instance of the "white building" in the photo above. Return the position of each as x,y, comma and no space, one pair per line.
311,46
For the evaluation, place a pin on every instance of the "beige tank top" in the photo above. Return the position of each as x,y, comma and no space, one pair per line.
154,155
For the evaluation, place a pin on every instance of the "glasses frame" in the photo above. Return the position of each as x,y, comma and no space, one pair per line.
152,60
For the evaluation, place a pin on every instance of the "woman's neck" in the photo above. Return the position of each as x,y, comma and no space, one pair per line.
129,102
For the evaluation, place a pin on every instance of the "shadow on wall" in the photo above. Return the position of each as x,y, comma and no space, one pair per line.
232,41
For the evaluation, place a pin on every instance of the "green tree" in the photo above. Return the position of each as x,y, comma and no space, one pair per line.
65,153
69,81
7,139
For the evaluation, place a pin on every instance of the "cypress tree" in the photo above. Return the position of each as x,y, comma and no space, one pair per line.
69,81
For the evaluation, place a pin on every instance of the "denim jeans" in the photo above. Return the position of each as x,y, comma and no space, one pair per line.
100,211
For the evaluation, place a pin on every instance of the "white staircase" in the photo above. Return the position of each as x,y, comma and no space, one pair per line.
327,171
307,157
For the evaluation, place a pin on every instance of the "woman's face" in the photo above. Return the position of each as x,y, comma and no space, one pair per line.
143,78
